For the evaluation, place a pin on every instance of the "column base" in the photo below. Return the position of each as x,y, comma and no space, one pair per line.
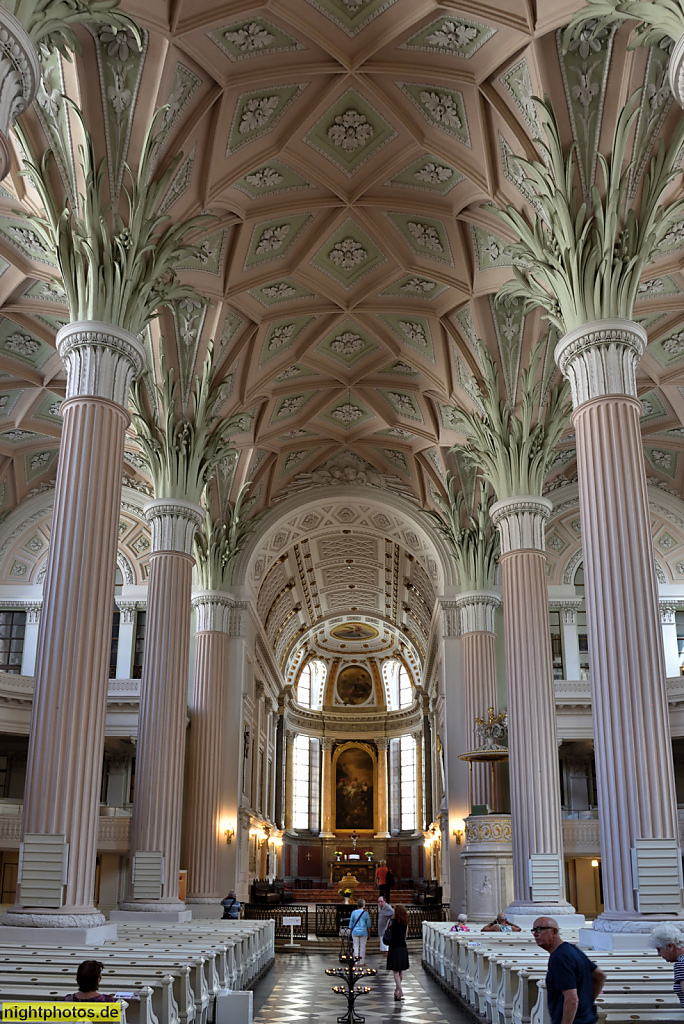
326,835
205,909
382,835
525,914
613,932
151,913
13,935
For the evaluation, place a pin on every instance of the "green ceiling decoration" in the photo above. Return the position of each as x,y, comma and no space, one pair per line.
519,84
252,37
347,344
669,348
18,343
53,115
257,113
491,250
3,266
651,407
180,183
242,423
513,172
396,459
26,240
446,416
347,413
403,403
295,372
17,436
424,235
464,319
656,287
584,69
412,330
48,291
663,460
400,369
429,174
294,460
232,323
209,257
509,324
351,15
270,179
188,319
281,335
350,132
414,286
291,405
271,239
50,409
37,463
442,108
8,399
399,432
673,240
348,255
656,100
452,36
183,86
283,290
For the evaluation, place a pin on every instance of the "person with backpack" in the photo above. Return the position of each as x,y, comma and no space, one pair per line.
359,926
231,906
384,880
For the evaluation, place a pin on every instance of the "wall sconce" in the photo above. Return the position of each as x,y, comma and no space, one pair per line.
459,830
594,863
229,833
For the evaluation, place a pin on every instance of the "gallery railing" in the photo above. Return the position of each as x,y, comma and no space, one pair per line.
330,917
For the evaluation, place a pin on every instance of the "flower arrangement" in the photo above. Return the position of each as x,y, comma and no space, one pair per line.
368,853
347,893
338,853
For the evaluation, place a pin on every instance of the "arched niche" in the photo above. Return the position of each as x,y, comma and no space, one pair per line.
355,786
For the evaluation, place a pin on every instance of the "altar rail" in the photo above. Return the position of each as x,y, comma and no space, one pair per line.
331,917
261,912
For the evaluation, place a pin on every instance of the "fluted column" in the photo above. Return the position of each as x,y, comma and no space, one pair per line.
634,770
204,767
382,743
289,769
533,766
420,817
477,609
326,787
72,659
19,80
156,821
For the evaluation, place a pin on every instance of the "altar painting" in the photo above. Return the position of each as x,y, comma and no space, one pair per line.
354,789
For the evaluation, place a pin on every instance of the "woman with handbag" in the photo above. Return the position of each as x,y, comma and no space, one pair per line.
397,955
359,926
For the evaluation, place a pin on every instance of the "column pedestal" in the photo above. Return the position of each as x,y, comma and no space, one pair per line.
533,765
64,767
157,808
488,859
634,769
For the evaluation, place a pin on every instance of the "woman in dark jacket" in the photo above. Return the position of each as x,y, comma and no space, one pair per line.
397,954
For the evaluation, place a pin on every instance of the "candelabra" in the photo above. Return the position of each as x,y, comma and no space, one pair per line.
350,975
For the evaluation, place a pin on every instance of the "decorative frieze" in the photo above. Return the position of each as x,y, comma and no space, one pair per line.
19,79
100,360
600,358
477,610
173,524
520,522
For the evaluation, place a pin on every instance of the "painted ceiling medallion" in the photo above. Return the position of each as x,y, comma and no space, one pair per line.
354,631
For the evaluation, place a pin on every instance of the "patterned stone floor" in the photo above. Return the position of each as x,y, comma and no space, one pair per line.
298,991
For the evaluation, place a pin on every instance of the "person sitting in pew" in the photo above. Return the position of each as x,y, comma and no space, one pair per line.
502,924
88,977
668,942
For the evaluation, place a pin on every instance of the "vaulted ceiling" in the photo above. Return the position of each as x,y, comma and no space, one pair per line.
351,150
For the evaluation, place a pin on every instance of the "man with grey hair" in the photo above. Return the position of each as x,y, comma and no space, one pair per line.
668,942
573,981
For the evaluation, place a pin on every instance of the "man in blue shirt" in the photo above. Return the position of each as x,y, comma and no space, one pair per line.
573,981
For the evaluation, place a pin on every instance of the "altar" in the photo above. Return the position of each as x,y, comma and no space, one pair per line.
364,871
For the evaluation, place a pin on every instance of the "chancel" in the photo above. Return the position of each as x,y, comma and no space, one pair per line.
341,499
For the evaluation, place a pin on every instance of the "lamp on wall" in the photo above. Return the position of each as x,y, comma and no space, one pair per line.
229,833
459,830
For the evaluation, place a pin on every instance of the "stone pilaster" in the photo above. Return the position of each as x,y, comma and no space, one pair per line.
72,659
533,765
382,743
420,814
289,777
205,748
326,787
19,79
156,821
478,609
634,770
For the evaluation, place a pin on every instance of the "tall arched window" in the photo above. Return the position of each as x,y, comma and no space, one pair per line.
311,684
301,763
407,749
398,687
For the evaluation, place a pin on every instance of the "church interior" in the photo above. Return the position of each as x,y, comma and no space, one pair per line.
341,484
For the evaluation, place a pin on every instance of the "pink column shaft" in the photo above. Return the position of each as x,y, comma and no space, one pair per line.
71,678
629,701
479,685
205,764
533,765
158,798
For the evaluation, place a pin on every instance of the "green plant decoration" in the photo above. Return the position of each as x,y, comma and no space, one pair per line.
581,261
473,539
218,544
116,269
48,22
514,448
653,20
181,451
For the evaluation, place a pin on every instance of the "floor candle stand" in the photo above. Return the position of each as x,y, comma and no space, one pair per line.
350,975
